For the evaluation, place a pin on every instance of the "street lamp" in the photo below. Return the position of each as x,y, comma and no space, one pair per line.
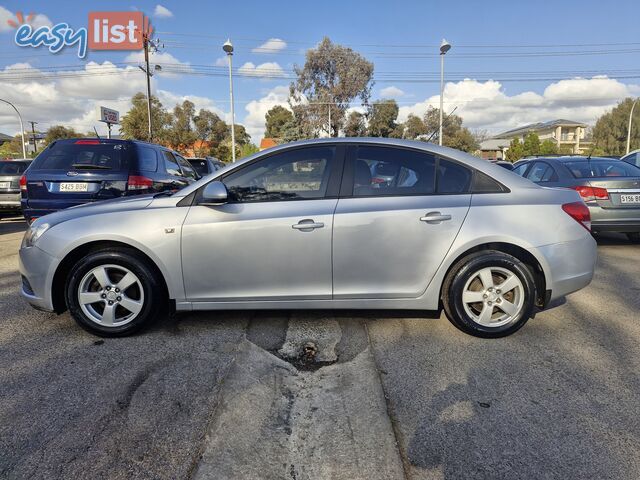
24,149
629,128
444,48
228,49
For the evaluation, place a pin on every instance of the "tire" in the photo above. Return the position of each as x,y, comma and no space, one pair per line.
135,300
634,237
477,310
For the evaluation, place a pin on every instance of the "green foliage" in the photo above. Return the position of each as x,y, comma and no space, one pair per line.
276,121
610,130
454,134
531,144
331,78
180,134
414,127
135,124
12,149
516,150
247,149
382,120
548,147
56,132
355,126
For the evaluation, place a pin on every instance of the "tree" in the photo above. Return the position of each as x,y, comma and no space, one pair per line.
331,78
248,149
382,120
414,127
610,130
531,144
56,132
276,120
135,124
516,150
454,134
548,147
355,126
12,149
181,134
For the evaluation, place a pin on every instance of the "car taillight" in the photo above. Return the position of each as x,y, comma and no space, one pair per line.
579,212
87,142
590,194
377,180
138,182
23,183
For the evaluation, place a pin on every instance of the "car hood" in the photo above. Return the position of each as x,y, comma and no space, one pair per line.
138,202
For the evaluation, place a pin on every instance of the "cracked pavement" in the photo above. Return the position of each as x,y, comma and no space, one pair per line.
210,395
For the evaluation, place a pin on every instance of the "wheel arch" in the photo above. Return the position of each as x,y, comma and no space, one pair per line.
522,254
64,267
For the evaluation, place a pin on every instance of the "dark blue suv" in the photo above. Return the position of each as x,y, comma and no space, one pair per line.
76,171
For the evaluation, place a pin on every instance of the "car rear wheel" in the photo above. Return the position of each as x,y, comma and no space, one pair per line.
489,294
113,293
634,237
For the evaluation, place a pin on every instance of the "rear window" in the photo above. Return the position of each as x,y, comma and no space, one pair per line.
13,168
79,156
602,168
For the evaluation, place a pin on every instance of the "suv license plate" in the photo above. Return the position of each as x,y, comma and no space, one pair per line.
74,187
5,185
635,198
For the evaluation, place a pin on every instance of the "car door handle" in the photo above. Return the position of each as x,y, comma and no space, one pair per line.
435,217
307,225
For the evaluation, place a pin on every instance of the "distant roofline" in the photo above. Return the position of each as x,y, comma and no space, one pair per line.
561,122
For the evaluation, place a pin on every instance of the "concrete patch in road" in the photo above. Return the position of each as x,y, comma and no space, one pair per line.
322,331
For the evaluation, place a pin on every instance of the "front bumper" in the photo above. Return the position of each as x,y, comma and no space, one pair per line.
570,265
37,268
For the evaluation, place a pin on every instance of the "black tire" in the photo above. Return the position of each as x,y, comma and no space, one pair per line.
466,269
634,237
153,301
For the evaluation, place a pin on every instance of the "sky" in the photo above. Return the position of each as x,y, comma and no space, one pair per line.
511,63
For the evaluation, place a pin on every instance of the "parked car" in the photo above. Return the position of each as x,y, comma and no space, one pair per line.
205,166
632,157
609,187
10,173
77,171
504,164
303,225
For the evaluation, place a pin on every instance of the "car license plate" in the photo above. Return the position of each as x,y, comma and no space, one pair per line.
74,187
635,198
5,185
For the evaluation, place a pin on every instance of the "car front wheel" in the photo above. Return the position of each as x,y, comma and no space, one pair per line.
113,293
489,294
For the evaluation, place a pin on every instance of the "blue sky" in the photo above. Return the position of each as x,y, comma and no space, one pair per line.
499,47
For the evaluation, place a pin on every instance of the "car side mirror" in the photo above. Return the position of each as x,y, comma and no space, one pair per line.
214,193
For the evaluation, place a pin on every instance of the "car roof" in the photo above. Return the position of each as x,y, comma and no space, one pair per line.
570,158
112,140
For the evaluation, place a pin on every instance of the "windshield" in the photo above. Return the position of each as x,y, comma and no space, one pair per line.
602,168
81,156
13,168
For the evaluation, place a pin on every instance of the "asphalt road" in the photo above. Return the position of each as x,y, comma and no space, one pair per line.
378,394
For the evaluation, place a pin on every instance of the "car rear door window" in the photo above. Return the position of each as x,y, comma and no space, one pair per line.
186,167
171,164
452,178
147,159
292,175
540,172
382,171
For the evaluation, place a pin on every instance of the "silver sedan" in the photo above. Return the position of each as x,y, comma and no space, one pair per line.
310,225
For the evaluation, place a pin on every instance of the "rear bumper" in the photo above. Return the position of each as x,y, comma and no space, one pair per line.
37,268
571,265
614,219
10,201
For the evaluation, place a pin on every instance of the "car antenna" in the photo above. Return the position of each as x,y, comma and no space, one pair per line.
95,130
443,122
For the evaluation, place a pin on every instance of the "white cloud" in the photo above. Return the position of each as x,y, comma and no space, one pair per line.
221,62
264,70
162,12
486,104
391,92
37,21
272,45
257,109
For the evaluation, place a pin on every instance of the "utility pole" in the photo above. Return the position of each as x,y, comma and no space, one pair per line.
147,71
33,130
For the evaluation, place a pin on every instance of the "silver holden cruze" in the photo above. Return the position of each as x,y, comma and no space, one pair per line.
309,225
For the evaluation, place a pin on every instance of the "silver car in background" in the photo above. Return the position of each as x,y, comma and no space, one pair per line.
306,225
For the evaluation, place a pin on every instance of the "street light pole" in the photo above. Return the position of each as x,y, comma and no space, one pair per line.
228,49
629,127
24,148
444,48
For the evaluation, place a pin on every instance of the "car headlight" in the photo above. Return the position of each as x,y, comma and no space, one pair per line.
33,233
